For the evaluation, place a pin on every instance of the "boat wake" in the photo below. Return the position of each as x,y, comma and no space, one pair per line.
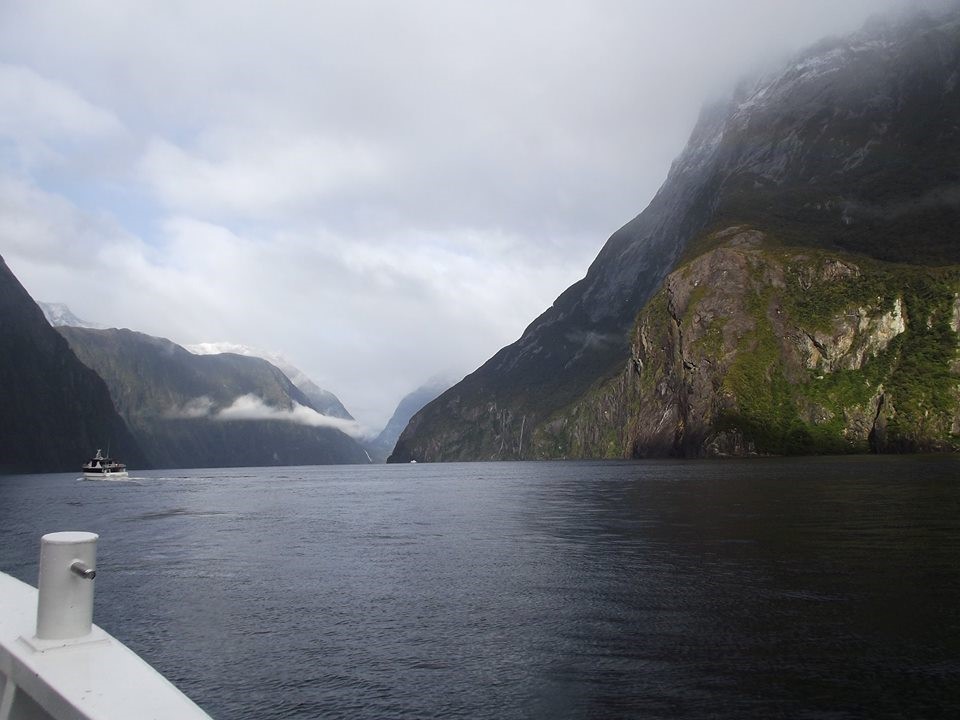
182,512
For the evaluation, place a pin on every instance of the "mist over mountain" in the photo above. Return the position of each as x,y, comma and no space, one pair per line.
321,400
221,410
853,147
55,411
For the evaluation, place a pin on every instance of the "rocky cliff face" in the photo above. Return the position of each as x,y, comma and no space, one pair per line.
755,348
853,147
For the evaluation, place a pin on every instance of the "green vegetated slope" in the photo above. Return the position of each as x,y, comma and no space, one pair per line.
754,347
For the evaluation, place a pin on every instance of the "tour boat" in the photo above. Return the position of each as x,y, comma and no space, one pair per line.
99,468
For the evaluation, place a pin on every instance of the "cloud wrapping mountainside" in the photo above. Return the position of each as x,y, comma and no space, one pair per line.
252,407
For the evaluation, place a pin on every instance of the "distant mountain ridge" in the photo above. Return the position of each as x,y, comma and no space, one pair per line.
324,401
55,411
382,446
852,147
220,410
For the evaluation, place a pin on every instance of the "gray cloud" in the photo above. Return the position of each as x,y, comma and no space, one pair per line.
199,407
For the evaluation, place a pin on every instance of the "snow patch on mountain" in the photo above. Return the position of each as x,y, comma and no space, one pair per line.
59,315
216,348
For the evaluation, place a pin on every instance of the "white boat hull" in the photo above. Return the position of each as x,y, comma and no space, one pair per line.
106,475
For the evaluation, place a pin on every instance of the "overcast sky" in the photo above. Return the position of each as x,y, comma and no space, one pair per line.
379,191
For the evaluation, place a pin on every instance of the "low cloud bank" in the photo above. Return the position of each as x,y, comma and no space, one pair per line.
251,407
196,408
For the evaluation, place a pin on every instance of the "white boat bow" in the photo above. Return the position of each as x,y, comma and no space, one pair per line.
55,664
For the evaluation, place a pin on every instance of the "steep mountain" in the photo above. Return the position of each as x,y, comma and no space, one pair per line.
58,315
854,147
323,401
222,410
55,411
381,446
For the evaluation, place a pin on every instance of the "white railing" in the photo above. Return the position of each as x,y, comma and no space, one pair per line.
55,664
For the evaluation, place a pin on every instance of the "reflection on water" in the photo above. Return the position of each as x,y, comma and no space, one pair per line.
823,587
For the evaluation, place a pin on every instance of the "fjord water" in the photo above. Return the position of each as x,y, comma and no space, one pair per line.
801,588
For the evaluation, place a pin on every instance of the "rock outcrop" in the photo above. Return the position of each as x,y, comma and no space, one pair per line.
756,348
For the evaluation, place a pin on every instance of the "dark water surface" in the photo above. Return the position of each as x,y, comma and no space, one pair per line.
805,588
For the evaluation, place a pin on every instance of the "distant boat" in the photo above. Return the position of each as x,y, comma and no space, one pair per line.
101,468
